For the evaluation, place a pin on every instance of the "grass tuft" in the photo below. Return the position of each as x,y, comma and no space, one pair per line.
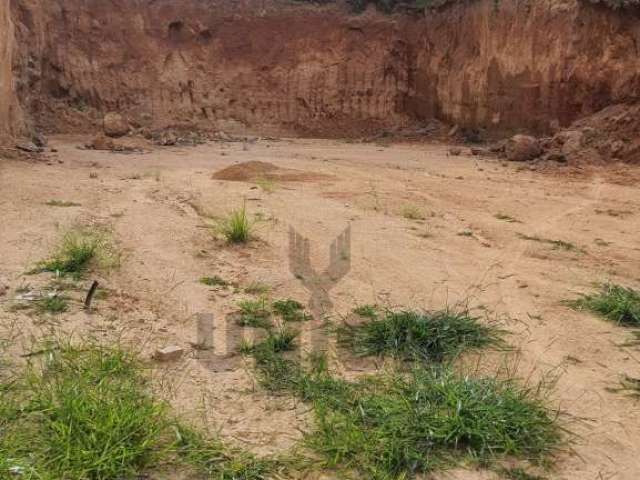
236,227
412,212
614,303
61,203
290,310
215,281
557,244
425,336
282,340
367,311
77,250
255,313
53,305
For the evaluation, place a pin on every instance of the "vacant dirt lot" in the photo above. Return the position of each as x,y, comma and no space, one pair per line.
428,230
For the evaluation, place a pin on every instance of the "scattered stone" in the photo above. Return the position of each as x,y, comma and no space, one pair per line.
168,354
100,143
522,148
115,125
29,147
480,152
455,151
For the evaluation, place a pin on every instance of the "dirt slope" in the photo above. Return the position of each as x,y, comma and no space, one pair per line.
272,65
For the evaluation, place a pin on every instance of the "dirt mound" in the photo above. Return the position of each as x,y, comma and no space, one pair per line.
257,170
612,134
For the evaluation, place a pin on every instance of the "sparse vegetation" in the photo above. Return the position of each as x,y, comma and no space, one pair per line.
557,244
613,302
506,218
257,288
61,203
77,250
290,310
215,281
518,473
255,313
425,336
282,340
412,212
53,305
266,185
237,227
367,311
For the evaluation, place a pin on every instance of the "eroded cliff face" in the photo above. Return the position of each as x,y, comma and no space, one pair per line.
10,115
264,66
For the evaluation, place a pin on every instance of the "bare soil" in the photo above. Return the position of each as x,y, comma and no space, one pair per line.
159,205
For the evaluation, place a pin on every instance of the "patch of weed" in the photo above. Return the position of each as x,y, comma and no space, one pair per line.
506,218
412,212
257,288
255,313
267,185
614,303
53,305
290,310
77,250
282,340
518,473
367,311
61,203
557,244
215,281
236,227
426,336
85,412
392,426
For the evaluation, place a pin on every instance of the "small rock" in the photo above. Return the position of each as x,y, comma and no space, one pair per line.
522,148
480,152
168,354
454,130
115,125
455,151
3,289
167,139
100,143
28,147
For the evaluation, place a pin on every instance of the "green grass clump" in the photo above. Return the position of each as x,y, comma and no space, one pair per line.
392,426
255,313
86,412
236,227
367,311
54,305
61,203
426,336
613,302
77,250
283,340
257,288
215,281
290,310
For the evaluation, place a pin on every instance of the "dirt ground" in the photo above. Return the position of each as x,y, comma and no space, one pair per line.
158,203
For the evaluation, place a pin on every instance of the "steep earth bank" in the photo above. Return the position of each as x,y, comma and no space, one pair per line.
10,116
270,65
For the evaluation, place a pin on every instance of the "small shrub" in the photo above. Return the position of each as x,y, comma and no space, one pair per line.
236,228
427,336
613,302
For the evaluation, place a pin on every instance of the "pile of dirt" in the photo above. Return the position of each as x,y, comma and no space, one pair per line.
257,170
612,134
